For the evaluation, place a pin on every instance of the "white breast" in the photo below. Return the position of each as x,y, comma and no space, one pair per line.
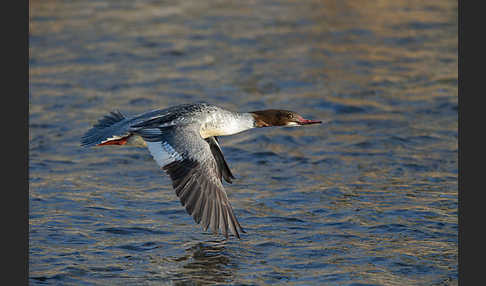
225,124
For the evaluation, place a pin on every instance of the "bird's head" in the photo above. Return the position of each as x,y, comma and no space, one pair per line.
279,117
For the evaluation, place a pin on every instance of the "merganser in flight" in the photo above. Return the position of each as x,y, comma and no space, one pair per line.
183,141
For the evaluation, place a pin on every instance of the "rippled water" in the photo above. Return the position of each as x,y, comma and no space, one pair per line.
370,198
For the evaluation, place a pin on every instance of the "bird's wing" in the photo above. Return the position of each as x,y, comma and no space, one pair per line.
196,167
219,157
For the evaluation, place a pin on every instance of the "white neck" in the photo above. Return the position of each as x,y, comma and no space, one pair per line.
226,123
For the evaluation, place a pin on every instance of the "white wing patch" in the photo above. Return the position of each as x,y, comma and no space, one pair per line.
163,153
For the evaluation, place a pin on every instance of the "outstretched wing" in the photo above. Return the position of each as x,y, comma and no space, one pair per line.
196,168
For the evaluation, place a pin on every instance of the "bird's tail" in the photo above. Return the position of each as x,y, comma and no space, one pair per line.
112,129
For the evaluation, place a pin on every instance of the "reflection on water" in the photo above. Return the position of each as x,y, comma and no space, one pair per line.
369,197
206,262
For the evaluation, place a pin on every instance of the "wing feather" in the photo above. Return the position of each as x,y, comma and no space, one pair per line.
196,168
225,171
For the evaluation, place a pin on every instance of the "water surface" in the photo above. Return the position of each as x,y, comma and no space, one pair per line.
369,198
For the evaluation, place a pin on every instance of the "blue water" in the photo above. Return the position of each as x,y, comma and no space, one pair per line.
368,198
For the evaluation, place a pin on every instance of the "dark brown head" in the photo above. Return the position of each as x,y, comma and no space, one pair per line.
278,117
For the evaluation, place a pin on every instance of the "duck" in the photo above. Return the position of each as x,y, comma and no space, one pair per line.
183,141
